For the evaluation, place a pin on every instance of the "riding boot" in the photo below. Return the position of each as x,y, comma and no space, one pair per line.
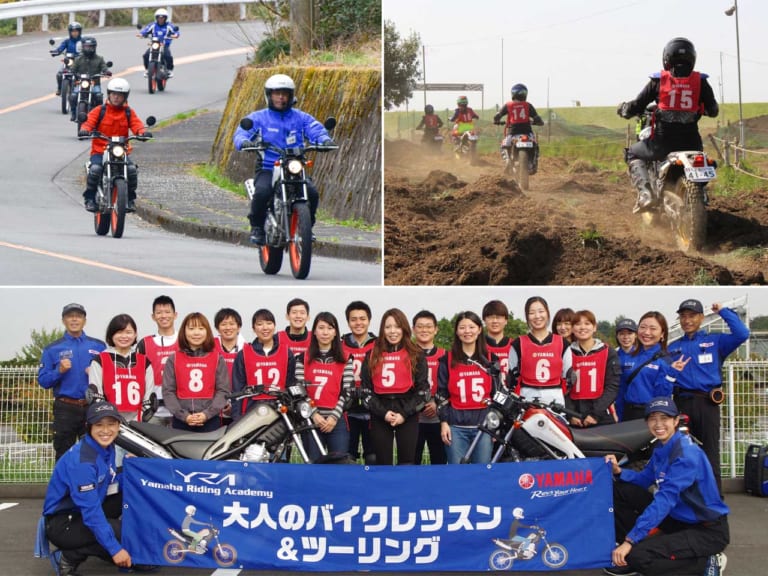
638,174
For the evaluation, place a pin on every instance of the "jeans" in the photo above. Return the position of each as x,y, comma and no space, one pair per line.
337,440
461,438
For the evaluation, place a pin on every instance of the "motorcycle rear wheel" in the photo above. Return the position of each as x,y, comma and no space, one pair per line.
174,551
300,245
225,555
119,199
66,88
500,560
162,77
521,169
691,229
151,81
101,222
270,259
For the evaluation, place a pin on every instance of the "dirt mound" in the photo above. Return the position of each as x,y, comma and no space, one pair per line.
448,223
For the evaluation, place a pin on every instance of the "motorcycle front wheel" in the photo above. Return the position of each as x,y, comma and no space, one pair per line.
82,109
691,227
300,245
225,555
101,221
555,555
174,551
151,81
500,560
162,76
66,89
270,259
521,167
118,199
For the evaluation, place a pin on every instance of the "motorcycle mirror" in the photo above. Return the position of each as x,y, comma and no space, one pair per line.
246,123
51,41
109,63
151,121
150,410
330,123
91,393
139,26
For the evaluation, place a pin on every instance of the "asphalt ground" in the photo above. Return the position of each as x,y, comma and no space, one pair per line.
171,196
18,520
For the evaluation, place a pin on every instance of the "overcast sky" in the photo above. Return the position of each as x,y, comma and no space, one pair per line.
599,52
25,309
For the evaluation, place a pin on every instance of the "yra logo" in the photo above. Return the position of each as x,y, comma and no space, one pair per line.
210,478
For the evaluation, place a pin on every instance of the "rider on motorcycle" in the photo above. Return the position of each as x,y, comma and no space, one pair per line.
464,119
69,45
281,125
683,96
163,30
524,543
88,63
198,536
430,123
114,118
520,115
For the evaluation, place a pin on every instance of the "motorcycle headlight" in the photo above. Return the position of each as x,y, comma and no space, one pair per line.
492,420
118,151
295,166
305,409
84,84
155,46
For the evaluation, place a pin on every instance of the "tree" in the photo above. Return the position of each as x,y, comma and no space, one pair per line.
301,26
401,67
32,352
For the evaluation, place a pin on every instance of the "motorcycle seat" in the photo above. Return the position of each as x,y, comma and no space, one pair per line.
165,435
622,438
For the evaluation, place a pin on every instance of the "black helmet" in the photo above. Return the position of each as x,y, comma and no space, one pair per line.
429,109
74,26
89,46
519,92
679,56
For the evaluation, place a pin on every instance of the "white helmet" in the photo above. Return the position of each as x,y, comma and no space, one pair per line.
119,85
190,510
279,82
518,513
161,13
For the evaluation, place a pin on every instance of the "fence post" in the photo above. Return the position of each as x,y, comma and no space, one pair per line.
134,16
19,26
205,12
731,420
44,23
102,18
242,11
727,152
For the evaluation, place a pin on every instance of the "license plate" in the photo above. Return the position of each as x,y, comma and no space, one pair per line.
523,144
700,174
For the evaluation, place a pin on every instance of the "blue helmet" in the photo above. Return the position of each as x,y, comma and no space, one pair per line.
519,92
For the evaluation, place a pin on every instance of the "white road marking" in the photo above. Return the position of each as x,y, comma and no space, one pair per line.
6,505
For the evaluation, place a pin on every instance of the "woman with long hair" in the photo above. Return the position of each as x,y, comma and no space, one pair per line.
329,377
395,388
540,361
563,323
464,384
653,372
196,378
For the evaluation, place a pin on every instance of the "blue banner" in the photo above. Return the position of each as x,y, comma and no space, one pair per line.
549,515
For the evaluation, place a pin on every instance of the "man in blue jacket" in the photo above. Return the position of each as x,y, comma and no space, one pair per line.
165,31
82,503
698,391
283,126
64,369
70,45
681,528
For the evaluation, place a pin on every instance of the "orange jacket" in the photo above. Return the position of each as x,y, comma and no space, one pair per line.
114,123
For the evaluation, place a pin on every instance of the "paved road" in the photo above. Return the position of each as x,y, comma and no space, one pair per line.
46,238
746,554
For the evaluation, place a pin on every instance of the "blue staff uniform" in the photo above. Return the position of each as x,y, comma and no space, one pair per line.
164,33
654,379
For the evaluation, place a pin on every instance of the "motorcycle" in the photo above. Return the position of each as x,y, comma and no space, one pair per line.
67,77
525,429
678,183
85,99
265,433
433,140
175,550
553,556
112,191
465,144
288,225
157,71
517,152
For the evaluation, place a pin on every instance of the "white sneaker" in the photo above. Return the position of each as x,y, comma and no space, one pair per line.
146,74
716,565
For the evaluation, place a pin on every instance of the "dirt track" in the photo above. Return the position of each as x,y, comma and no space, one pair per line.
450,223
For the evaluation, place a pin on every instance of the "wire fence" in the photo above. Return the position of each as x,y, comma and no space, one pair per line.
27,456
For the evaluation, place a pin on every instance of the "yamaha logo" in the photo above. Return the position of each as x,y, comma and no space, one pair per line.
526,481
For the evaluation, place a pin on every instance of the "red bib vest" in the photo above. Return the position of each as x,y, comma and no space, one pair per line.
196,376
393,375
518,112
679,94
229,358
268,371
469,386
124,387
432,363
157,356
295,346
502,353
541,366
358,355
590,375
323,381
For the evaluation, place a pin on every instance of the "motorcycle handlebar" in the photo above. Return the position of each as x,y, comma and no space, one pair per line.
100,136
261,146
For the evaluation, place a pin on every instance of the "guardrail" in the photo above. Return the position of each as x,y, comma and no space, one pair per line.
26,8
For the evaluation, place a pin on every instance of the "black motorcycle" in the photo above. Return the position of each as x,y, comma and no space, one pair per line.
85,99
112,192
67,77
288,226
157,70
